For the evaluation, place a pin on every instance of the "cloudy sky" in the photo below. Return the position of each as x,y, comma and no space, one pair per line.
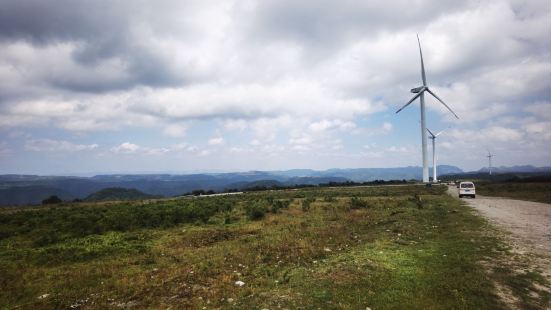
149,86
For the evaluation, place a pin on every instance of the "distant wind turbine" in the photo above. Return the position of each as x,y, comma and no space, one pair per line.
420,93
433,138
490,155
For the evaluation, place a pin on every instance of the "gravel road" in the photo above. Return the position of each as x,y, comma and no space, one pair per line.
527,227
528,222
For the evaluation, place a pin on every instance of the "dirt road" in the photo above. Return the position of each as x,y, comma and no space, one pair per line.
528,222
527,229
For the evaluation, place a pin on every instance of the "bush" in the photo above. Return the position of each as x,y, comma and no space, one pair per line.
357,203
51,226
277,205
416,199
255,210
52,200
306,203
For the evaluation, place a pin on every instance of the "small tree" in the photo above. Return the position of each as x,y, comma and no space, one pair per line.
51,200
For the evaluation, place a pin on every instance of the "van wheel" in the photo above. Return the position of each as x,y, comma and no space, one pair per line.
460,196
474,196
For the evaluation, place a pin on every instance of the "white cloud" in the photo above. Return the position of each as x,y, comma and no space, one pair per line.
125,148
337,124
387,127
237,149
539,130
175,130
399,149
49,145
216,141
486,136
180,148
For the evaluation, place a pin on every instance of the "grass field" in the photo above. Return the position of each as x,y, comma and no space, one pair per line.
389,247
539,192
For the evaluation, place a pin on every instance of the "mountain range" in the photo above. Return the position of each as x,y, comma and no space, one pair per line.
32,189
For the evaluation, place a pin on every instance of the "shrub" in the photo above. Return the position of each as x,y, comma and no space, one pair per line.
255,210
306,203
51,226
51,200
277,205
357,203
416,199
225,206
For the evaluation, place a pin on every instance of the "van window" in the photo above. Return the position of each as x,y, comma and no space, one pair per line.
467,185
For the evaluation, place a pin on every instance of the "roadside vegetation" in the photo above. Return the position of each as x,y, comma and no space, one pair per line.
330,248
530,191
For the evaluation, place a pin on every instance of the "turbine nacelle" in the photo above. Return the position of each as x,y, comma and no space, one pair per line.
417,89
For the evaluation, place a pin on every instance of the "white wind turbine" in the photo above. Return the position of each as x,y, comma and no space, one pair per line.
420,93
490,155
433,138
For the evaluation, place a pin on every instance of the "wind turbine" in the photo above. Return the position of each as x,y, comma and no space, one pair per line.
420,93
433,138
490,155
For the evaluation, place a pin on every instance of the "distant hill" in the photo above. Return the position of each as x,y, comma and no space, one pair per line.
503,173
369,174
29,195
32,189
119,193
513,169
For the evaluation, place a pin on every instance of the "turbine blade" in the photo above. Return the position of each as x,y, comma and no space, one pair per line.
422,63
410,101
441,131
442,102
431,133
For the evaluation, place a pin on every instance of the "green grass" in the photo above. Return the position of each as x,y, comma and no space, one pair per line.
352,248
538,192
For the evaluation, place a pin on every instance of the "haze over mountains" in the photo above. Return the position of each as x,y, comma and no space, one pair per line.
32,189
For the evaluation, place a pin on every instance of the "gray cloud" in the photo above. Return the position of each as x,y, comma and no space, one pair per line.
331,23
114,34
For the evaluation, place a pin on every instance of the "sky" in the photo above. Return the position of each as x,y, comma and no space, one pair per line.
178,86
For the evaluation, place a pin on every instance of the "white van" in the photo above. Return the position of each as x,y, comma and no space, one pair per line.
467,189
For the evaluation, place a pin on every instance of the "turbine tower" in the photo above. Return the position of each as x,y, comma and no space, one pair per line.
490,155
433,138
420,93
